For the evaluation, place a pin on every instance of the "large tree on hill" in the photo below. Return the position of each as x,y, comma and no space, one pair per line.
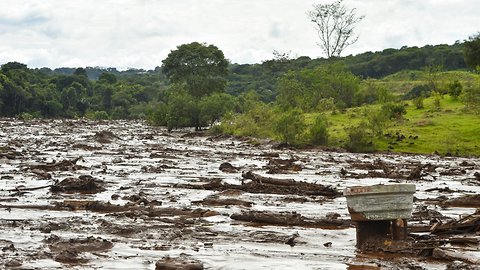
203,68
335,26
471,50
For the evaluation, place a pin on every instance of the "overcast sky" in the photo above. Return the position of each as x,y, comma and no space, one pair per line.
141,33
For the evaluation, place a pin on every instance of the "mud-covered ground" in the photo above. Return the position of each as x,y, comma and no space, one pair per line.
124,195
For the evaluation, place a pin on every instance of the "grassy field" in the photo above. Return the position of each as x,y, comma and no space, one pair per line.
450,130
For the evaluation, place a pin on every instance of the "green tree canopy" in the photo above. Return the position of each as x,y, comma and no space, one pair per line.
202,68
471,51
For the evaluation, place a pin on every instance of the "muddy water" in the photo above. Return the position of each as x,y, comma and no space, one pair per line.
145,168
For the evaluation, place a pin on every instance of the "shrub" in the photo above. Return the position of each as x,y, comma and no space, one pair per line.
418,102
290,126
422,90
359,139
455,89
97,115
393,110
436,101
25,116
471,98
378,121
318,132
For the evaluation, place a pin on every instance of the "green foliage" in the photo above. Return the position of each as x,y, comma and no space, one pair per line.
214,106
359,138
290,126
418,91
471,50
454,88
307,88
202,68
418,102
371,91
471,98
26,116
179,110
393,110
97,115
378,119
437,101
317,133
258,121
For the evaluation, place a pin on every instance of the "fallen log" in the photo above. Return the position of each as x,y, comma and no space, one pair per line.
453,255
223,202
296,188
267,180
290,219
464,201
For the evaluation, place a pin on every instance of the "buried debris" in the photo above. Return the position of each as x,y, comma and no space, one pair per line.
64,165
105,136
84,183
277,165
289,219
69,250
228,168
267,185
464,201
214,201
179,263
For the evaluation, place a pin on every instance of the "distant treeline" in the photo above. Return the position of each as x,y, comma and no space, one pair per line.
110,93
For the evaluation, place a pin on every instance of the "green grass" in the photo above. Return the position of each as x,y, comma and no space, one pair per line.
451,130
402,82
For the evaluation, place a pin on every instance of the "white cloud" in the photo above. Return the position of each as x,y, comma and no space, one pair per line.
140,33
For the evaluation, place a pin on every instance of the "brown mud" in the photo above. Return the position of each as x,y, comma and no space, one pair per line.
124,195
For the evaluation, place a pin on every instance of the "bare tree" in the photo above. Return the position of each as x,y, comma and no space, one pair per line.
334,24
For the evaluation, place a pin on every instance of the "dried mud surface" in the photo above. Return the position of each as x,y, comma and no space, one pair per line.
124,195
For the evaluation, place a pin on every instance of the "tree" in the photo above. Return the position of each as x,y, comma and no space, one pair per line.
334,24
213,107
471,50
202,68
290,126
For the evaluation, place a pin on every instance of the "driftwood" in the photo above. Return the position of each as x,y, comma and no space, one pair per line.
267,180
468,224
464,201
269,186
449,254
289,219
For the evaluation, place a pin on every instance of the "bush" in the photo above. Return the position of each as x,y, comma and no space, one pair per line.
359,139
290,126
436,101
418,103
378,121
25,116
418,91
455,89
471,98
393,110
97,115
318,132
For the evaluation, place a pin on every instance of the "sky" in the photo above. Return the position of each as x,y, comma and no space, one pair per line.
141,33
